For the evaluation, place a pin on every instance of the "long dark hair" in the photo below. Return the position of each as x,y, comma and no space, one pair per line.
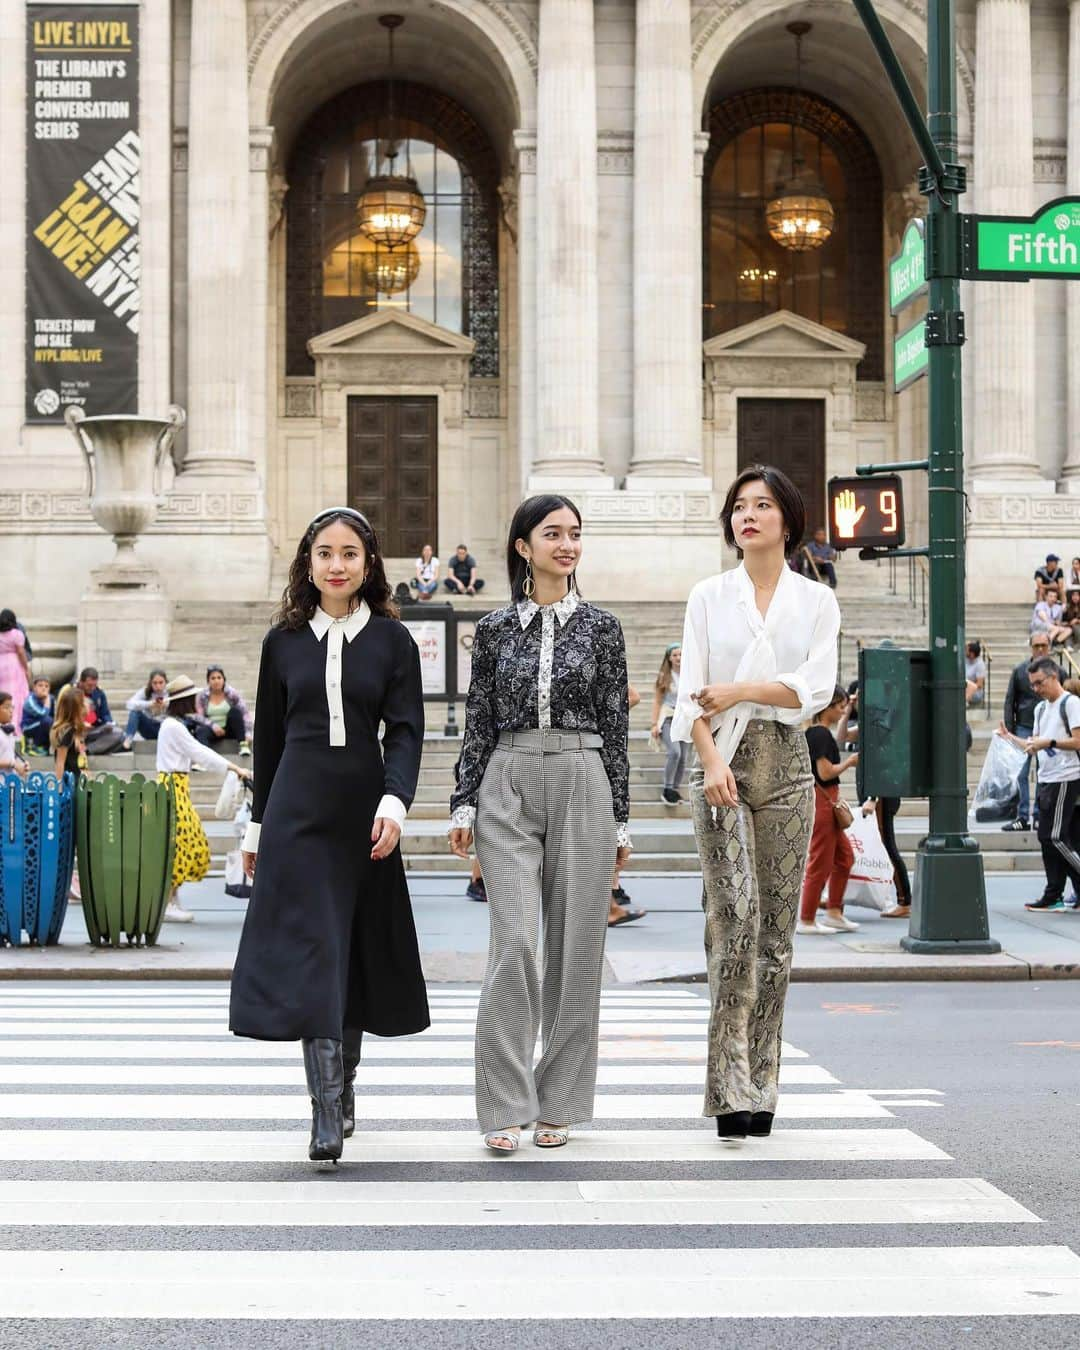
300,598
788,498
526,518
7,620
148,692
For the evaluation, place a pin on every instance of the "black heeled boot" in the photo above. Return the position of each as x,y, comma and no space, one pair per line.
761,1124
325,1080
350,1058
735,1125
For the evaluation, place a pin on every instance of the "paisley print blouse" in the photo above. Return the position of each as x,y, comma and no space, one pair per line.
560,666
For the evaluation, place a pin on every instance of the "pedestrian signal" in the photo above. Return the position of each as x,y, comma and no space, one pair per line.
866,512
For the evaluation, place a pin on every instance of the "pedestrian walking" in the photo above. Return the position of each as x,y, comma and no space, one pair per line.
1056,744
14,666
177,753
1019,721
665,697
758,659
543,781
328,949
831,855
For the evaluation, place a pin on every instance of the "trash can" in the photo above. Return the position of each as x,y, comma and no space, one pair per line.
37,844
125,833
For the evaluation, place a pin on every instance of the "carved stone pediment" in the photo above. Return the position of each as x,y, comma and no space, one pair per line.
784,336
390,332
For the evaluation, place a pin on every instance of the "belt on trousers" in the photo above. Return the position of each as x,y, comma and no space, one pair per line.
550,742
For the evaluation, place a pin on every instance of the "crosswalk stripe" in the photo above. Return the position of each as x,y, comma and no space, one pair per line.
697,1145
422,1204
205,1027
237,1106
658,1282
292,1075
690,1016
110,989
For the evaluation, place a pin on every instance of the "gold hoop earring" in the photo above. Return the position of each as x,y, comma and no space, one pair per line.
529,584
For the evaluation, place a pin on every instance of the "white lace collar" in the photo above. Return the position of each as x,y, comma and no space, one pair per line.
564,608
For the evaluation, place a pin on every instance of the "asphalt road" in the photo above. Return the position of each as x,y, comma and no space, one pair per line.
986,1074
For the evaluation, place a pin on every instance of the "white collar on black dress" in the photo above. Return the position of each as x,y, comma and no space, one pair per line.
321,622
564,608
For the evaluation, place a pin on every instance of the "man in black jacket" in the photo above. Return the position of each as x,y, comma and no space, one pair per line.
1020,701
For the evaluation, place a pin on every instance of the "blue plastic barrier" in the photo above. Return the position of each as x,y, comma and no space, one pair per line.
37,854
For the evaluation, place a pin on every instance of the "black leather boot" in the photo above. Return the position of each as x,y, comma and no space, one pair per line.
735,1125
350,1058
325,1080
761,1124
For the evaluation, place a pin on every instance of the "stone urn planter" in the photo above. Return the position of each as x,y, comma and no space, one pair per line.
124,458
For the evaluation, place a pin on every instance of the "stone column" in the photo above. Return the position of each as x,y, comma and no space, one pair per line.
566,247
219,328
259,348
1003,339
667,243
1071,469
525,148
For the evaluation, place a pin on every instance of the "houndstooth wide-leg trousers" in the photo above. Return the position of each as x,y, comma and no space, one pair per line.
545,840
752,862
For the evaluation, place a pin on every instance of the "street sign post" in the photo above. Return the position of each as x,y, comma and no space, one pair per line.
907,271
1021,248
911,356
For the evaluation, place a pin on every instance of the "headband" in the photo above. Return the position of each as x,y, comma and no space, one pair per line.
673,648
340,511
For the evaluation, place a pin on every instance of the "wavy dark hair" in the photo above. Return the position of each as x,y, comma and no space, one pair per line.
148,692
300,598
788,498
526,518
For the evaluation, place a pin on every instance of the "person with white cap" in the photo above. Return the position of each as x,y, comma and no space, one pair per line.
177,752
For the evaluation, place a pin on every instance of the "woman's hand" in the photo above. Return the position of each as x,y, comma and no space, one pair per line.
622,854
720,786
249,864
218,731
716,698
384,836
869,806
460,842
245,775
654,731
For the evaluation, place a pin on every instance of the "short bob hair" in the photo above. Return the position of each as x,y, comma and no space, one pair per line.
529,514
788,498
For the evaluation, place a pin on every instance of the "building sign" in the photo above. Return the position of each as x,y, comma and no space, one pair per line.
82,208
432,638
866,512
1017,248
907,271
911,358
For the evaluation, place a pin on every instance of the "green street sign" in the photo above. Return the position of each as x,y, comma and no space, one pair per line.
911,359
1017,248
907,271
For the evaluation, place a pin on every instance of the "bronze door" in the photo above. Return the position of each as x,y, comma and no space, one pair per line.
790,434
392,470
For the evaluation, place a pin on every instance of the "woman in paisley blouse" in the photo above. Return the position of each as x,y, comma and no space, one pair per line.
543,782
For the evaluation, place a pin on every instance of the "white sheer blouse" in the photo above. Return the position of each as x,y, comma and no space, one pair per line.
725,640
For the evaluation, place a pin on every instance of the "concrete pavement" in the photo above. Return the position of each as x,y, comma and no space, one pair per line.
665,945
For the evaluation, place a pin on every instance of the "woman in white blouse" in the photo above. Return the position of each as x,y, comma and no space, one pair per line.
758,660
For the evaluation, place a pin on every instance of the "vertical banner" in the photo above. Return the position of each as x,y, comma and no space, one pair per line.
82,208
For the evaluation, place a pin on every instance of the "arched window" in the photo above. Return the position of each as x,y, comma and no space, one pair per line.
330,266
747,274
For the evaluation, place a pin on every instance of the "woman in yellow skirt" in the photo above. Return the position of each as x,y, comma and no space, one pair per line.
177,750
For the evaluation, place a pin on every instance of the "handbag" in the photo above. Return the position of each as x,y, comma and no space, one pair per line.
843,814
229,798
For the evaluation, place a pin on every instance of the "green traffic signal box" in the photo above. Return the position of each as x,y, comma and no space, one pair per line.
894,723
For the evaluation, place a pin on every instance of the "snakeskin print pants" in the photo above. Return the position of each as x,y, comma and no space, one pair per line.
752,863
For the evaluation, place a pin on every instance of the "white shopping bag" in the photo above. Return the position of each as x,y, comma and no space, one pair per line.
229,798
871,882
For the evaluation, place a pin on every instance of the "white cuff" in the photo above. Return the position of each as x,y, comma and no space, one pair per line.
392,808
463,818
622,835
251,837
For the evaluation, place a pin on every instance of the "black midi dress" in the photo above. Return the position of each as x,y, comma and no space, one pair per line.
329,941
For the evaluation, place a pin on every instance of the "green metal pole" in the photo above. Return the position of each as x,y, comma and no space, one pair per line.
949,902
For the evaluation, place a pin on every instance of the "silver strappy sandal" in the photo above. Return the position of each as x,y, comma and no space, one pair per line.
512,1137
559,1133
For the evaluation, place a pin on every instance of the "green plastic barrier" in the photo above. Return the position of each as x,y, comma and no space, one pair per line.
125,834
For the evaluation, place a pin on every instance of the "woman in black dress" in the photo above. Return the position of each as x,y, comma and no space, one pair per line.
329,948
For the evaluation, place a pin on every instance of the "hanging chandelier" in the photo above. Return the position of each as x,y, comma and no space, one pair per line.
391,209
390,271
800,216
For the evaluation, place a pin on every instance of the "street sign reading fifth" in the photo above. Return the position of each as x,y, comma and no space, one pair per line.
907,271
866,512
1017,248
911,359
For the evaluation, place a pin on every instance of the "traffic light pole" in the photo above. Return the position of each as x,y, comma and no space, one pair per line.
949,900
